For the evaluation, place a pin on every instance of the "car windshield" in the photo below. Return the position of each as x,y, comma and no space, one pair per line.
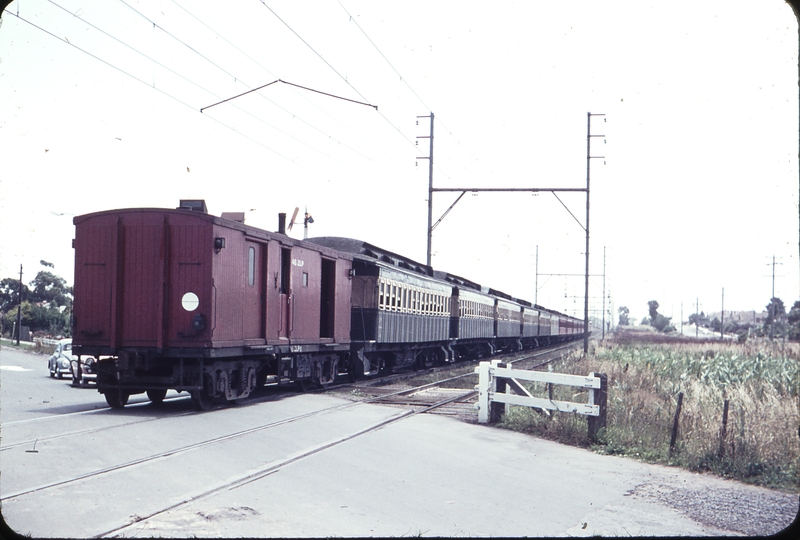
68,346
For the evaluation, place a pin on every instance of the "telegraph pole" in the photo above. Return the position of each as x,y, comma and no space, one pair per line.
772,313
19,307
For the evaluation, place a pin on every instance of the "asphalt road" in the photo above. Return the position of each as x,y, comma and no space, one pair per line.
300,465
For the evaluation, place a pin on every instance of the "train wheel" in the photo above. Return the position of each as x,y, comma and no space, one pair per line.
355,368
116,399
156,396
201,400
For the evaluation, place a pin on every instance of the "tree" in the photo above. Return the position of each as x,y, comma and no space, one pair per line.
794,322
776,315
46,305
699,320
652,305
9,294
624,312
662,324
52,289
37,317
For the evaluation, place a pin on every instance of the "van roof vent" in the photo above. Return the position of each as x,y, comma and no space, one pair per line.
233,216
195,205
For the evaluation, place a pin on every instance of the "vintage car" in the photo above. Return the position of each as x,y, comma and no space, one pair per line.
87,372
60,362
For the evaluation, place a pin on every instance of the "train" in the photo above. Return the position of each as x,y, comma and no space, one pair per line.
181,299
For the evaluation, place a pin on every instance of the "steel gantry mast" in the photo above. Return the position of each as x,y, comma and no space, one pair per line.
554,191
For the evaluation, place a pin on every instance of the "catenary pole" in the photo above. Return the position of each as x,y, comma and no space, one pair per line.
430,187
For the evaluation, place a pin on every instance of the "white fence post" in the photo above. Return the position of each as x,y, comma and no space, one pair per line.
483,392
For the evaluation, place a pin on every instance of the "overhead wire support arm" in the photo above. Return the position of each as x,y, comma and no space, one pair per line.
448,210
568,210
295,85
475,190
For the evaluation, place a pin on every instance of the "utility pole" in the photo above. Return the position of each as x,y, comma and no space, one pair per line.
696,316
19,307
772,313
604,292
722,318
430,185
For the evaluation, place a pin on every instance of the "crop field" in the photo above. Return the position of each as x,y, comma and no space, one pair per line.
758,443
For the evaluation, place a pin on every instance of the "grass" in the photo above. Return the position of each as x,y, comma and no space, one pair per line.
36,346
761,380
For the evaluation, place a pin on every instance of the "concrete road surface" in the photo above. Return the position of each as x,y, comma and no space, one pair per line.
435,476
425,475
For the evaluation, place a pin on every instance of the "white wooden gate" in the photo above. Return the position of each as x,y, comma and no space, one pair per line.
490,392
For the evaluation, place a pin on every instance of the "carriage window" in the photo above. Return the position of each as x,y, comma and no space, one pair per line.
251,266
305,279
381,301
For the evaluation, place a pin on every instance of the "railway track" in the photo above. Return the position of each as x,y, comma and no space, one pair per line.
385,391
273,392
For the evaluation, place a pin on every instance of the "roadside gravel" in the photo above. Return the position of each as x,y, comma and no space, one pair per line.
748,510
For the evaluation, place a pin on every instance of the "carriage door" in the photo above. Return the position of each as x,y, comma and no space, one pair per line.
254,299
327,308
286,293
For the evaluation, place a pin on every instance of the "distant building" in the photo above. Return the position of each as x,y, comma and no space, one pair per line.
740,317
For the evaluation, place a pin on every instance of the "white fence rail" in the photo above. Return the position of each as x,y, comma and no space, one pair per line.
496,379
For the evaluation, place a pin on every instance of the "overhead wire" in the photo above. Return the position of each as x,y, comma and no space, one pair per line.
264,3
263,96
406,83
167,94
156,62
237,79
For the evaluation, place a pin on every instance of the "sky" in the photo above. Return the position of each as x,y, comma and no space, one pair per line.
693,175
